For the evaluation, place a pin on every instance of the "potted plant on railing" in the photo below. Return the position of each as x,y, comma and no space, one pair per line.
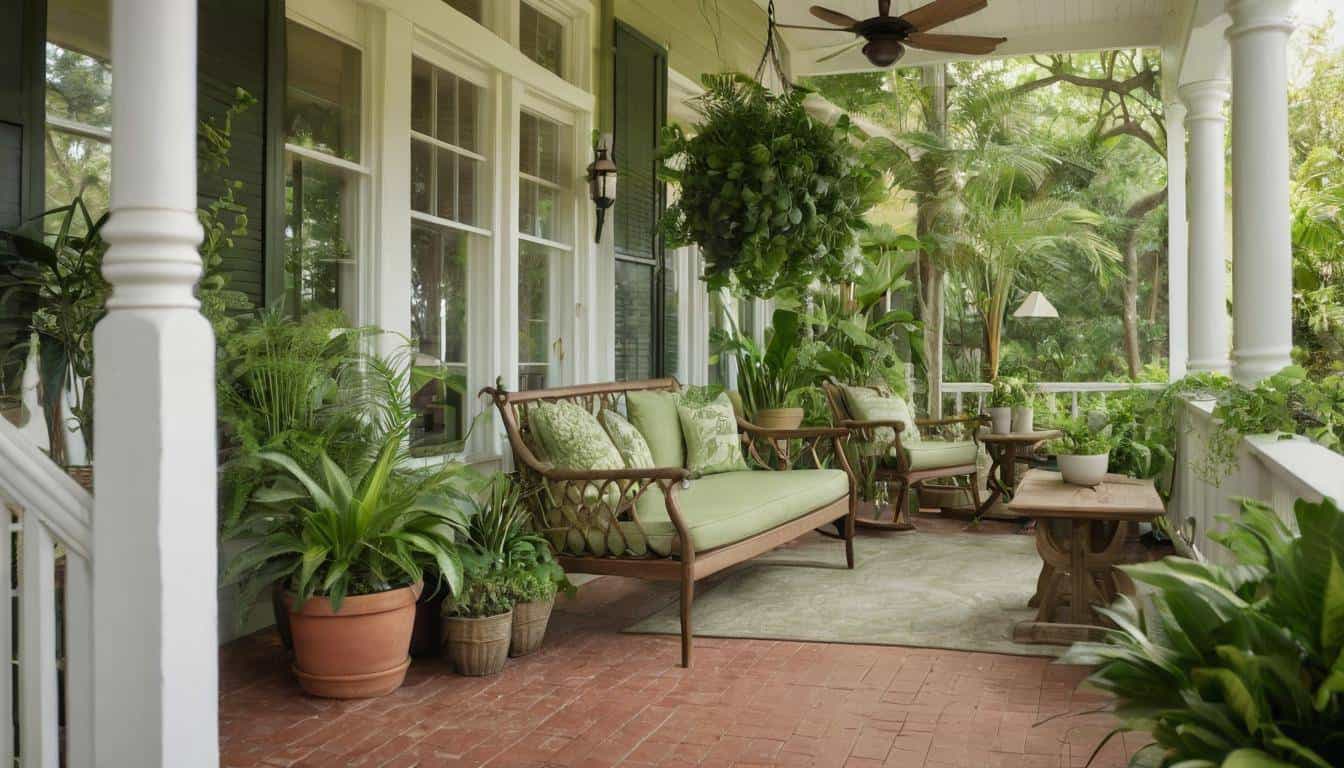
352,549
1083,453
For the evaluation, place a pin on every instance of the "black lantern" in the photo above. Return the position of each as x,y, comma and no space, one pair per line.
602,180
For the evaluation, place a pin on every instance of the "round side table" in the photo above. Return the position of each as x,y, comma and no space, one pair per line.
1003,451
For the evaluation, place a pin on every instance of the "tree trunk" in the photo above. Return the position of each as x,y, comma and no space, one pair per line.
931,275
1130,315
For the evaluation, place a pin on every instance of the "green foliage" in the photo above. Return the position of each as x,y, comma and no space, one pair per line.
337,533
1289,402
772,196
222,220
51,280
772,377
1081,438
1008,392
1238,665
485,593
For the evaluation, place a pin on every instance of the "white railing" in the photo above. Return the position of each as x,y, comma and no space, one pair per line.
49,529
1076,392
1273,469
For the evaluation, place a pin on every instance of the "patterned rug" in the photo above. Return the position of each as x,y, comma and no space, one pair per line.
961,591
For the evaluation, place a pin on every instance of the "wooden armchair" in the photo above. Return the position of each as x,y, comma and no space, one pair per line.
890,460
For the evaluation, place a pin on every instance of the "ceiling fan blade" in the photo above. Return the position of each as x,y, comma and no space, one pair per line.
804,26
971,44
941,12
834,17
848,47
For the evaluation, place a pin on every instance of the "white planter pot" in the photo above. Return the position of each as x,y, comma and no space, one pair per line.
1084,470
1023,419
1001,420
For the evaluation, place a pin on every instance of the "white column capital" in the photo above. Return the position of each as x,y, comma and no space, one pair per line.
1205,99
1260,15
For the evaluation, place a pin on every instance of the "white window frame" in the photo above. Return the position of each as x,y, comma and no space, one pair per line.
345,22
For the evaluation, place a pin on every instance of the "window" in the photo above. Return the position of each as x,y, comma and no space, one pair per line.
448,173
78,104
471,8
545,223
541,38
323,170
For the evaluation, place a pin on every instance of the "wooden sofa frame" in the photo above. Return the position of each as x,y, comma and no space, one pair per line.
771,449
905,478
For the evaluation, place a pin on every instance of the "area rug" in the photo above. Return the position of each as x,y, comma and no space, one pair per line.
959,591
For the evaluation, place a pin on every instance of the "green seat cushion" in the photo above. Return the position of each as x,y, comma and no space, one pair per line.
934,454
634,449
733,506
712,441
654,414
867,404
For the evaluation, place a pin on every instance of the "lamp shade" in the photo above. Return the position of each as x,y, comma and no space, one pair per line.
1036,305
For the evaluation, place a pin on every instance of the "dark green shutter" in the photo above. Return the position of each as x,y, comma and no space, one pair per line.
22,74
639,112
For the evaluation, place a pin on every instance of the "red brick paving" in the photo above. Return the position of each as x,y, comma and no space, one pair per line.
597,697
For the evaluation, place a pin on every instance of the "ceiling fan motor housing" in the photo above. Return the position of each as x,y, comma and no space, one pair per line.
886,36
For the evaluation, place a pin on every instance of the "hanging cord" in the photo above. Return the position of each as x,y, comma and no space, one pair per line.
771,53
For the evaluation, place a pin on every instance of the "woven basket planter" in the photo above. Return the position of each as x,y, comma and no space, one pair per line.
779,418
529,626
478,647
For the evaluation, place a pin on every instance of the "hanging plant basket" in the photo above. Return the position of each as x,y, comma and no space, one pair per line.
773,197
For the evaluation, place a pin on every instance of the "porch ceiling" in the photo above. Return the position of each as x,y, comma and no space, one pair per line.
1031,26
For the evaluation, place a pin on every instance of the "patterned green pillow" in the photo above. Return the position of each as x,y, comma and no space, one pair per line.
866,404
712,442
572,438
633,447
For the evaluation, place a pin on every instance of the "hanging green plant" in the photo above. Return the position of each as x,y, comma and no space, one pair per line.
773,197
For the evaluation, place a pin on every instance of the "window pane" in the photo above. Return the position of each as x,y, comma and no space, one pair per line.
320,224
541,38
468,115
472,8
534,332
537,212
439,328
422,177
634,320
322,92
447,188
422,97
539,147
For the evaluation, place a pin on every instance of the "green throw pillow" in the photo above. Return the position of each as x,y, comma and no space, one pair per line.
572,438
712,442
633,447
869,405
654,414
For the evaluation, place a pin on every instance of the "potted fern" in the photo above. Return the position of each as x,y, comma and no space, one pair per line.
351,547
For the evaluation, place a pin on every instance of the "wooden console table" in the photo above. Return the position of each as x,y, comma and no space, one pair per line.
1003,450
1081,534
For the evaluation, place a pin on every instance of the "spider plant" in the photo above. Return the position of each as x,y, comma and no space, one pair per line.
342,533
773,376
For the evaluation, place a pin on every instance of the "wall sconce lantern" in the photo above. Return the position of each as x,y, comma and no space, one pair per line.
602,180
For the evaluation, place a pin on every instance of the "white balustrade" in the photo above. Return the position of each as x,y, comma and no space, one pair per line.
958,391
47,510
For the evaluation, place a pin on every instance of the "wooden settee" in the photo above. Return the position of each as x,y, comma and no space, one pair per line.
620,512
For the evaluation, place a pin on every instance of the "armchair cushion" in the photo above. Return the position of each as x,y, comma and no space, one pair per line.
932,453
654,414
634,449
866,404
712,441
734,506
572,438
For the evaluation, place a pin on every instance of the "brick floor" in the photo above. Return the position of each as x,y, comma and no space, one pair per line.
596,697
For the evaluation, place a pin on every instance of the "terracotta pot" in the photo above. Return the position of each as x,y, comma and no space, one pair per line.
427,636
1084,470
1001,420
778,418
1024,417
529,626
358,652
478,647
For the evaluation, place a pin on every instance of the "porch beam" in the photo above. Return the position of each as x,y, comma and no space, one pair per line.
1206,198
1262,258
154,528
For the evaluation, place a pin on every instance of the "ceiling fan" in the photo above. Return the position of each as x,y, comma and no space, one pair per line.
885,37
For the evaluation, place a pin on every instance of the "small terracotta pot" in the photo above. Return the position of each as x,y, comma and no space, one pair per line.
778,418
358,652
478,647
529,626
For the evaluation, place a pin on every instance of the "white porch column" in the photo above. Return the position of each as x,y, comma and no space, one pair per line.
1207,195
1262,260
1178,336
154,555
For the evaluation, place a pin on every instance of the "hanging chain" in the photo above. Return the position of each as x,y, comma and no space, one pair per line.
771,53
